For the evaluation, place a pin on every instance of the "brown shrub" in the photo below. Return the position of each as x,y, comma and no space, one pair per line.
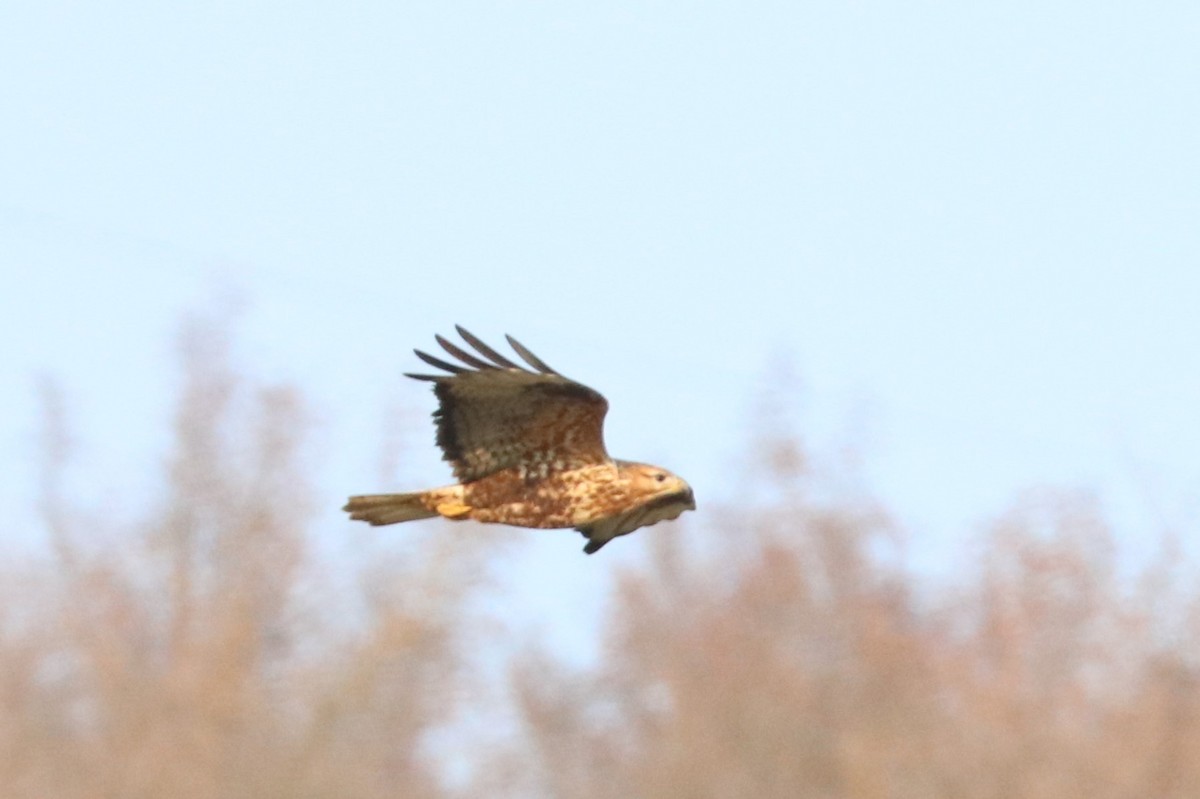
795,660
775,647
197,651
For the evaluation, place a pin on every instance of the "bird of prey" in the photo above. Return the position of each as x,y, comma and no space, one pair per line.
527,449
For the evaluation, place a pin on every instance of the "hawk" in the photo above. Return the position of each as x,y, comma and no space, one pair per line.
527,449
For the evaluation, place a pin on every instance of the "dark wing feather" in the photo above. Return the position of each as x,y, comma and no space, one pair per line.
484,349
463,355
494,417
438,363
529,357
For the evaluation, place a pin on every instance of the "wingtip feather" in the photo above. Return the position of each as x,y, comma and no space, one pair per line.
439,363
484,350
461,354
529,357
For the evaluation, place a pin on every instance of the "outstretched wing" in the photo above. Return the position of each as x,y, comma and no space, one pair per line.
495,414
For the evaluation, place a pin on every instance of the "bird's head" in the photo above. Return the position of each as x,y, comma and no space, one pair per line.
655,495
658,486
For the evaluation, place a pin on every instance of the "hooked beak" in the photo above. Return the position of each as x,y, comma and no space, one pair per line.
690,499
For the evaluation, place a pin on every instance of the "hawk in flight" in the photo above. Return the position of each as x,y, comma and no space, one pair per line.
527,447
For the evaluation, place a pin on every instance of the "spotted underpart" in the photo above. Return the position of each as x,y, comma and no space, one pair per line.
602,501
566,498
527,447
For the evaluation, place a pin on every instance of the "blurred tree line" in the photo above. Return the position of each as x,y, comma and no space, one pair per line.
769,650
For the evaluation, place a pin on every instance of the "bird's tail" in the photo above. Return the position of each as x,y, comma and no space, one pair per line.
377,509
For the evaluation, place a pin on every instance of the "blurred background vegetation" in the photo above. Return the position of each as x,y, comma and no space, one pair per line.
192,642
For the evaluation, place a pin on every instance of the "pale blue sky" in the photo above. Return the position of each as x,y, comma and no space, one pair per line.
975,227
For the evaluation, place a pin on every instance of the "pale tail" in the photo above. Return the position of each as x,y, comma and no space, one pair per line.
379,509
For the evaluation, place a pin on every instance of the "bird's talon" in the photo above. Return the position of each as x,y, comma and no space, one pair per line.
453,510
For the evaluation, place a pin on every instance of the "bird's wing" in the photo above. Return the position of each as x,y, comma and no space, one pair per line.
495,414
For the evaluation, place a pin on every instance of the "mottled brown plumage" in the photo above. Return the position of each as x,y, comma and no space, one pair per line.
527,448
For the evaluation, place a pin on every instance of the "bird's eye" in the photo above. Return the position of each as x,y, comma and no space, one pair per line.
660,477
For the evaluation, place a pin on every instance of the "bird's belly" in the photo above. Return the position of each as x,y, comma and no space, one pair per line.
507,498
522,514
